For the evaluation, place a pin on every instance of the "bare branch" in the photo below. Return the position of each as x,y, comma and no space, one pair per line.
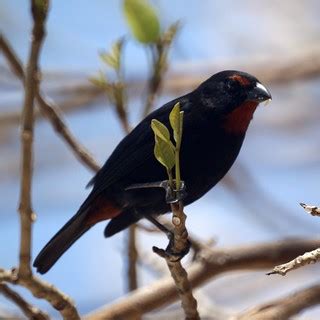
307,258
50,110
31,83
303,64
29,310
213,262
285,308
132,255
43,290
23,275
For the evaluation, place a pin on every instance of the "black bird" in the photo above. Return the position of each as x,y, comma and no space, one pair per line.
216,118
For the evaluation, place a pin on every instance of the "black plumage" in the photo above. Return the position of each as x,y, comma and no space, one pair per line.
216,117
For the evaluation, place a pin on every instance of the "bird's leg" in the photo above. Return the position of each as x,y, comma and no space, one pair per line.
160,226
172,195
170,251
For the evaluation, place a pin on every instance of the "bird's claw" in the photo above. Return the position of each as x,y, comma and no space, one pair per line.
172,195
171,253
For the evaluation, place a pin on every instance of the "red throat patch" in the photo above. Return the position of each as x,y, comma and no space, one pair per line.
238,120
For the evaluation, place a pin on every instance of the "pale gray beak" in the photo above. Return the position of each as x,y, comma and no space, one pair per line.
259,93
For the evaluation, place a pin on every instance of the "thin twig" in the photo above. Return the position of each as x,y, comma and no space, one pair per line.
29,310
43,290
305,259
180,244
300,261
213,263
49,108
284,308
131,240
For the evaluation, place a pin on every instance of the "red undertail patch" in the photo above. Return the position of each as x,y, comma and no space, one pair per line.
102,209
238,120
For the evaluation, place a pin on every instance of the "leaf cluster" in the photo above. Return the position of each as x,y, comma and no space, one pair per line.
164,150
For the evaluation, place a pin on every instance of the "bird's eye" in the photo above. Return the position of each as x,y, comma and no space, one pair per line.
232,84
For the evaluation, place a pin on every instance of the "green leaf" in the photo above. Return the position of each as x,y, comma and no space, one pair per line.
113,59
160,130
142,19
164,152
174,118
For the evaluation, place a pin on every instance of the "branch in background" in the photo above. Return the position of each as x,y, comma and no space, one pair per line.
212,263
132,254
116,94
159,54
29,310
43,290
116,91
50,110
284,308
298,67
73,101
31,83
23,275
301,65
307,258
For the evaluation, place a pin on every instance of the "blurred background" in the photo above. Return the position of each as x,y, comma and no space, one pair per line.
259,199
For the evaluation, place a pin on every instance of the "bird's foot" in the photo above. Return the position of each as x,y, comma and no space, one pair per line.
171,253
172,195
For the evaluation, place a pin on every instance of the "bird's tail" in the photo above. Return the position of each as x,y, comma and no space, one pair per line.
61,242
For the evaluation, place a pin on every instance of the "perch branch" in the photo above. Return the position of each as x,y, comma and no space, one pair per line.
29,310
50,109
178,273
285,308
213,263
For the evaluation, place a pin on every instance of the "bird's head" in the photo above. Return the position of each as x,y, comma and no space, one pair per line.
235,95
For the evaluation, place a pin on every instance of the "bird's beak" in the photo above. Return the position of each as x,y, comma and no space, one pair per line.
259,93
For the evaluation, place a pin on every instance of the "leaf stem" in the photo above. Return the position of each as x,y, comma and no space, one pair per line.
169,173
177,152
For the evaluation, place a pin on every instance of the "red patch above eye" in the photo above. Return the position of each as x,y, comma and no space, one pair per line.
242,80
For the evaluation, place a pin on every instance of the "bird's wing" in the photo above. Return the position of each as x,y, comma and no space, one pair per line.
132,152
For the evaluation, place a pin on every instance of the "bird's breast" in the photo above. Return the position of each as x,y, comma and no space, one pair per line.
205,159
